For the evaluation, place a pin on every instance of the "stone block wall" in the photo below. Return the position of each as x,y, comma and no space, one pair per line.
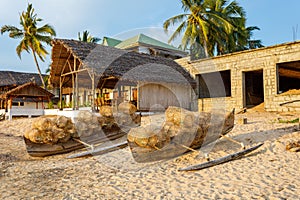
265,59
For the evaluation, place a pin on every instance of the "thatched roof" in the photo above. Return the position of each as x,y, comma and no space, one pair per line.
30,90
109,62
10,78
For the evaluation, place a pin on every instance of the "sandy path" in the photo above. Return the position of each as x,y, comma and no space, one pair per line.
269,173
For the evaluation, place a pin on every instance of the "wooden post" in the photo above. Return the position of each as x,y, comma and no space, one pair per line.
93,90
138,96
6,105
75,94
10,102
60,93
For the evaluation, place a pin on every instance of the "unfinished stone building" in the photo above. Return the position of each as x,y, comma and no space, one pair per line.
269,77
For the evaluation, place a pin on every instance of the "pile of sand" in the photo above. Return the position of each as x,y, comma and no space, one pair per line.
291,92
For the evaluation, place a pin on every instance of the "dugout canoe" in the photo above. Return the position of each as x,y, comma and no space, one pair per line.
43,150
182,132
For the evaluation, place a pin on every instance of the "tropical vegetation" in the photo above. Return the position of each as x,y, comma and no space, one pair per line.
32,37
212,27
86,37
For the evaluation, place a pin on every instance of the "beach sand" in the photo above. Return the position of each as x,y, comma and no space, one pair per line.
270,172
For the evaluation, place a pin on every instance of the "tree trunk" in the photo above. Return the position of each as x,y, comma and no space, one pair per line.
38,68
205,49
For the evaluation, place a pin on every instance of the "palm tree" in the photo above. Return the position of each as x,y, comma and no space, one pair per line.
32,37
223,40
46,77
210,25
253,44
86,37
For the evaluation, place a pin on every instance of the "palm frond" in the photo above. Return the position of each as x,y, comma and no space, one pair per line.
43,38
174,20
7,28
23,45
177,32
86,37
46,30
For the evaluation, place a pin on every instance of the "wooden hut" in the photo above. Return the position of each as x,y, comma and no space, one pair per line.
154,81
10,80
30,98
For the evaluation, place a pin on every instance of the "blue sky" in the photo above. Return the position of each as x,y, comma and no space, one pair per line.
123,19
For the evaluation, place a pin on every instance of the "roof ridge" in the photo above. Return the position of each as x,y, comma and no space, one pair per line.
161,42
147,40
140,36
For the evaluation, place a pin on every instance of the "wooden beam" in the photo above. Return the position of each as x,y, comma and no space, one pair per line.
70,66
289,73
63,69
74,72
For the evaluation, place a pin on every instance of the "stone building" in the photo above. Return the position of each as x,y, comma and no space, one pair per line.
269,77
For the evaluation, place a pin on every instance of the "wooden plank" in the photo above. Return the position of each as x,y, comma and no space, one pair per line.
221,160
166,95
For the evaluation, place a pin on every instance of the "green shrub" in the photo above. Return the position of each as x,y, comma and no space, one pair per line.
50,105
63,103
288,121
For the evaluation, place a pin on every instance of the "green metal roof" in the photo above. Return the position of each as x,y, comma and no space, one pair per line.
111,42
143,39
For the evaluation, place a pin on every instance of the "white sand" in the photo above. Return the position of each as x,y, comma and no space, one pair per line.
271,172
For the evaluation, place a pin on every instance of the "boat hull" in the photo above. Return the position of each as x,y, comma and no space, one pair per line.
42,150
184,140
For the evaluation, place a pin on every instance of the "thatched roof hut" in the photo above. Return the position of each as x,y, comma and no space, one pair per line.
10,78
27,92
87,65
110,65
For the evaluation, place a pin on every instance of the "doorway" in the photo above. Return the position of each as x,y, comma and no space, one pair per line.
253,87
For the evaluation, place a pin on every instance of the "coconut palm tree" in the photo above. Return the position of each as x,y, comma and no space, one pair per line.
86,37
224,40
212,25
253,44
242,40
32,37
46,77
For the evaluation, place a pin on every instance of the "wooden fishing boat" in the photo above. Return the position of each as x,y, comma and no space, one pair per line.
50,135
42,150
182,131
